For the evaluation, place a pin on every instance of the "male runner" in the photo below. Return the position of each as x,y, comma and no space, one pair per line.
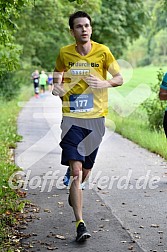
80,80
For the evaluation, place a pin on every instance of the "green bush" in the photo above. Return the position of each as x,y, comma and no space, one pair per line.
153,106
9,87
144,61
12,82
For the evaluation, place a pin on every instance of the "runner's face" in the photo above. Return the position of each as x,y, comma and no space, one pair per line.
82,30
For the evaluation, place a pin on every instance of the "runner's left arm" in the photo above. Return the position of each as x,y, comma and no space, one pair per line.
95,82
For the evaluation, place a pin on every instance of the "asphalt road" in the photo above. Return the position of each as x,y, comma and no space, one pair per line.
125,200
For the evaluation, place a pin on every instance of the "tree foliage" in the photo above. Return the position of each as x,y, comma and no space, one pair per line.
43,27
153,36
159,20
42,39
158,48
119,22
113,26
9,51
157,23
32,31
136,53
78,1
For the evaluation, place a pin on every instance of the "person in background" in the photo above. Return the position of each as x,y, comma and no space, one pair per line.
35,78
43,81
84,106
163,96
50,82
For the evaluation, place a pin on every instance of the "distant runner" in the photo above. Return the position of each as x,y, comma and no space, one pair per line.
43,81
35,78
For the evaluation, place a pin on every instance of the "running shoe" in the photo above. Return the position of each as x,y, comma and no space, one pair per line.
66,179
82,233
83,185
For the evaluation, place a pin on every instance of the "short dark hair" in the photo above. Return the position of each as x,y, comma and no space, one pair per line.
78,14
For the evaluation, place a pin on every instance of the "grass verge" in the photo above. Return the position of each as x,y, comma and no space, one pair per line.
137,130
10,201
135,127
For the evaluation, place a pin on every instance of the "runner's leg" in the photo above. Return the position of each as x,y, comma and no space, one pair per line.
75,189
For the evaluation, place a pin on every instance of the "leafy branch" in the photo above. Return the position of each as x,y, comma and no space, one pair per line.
78,1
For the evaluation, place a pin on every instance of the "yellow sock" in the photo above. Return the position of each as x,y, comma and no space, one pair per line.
77,222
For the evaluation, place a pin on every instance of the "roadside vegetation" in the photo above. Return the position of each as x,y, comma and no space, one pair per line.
144,124
11,201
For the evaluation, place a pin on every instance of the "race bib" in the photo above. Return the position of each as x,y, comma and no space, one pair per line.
81,103
80,72
36,80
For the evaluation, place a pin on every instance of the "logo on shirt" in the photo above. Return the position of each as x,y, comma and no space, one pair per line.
83,64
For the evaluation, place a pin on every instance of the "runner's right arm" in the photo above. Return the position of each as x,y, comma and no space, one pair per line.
58,83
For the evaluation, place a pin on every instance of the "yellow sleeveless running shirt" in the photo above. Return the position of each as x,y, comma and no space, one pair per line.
80,100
